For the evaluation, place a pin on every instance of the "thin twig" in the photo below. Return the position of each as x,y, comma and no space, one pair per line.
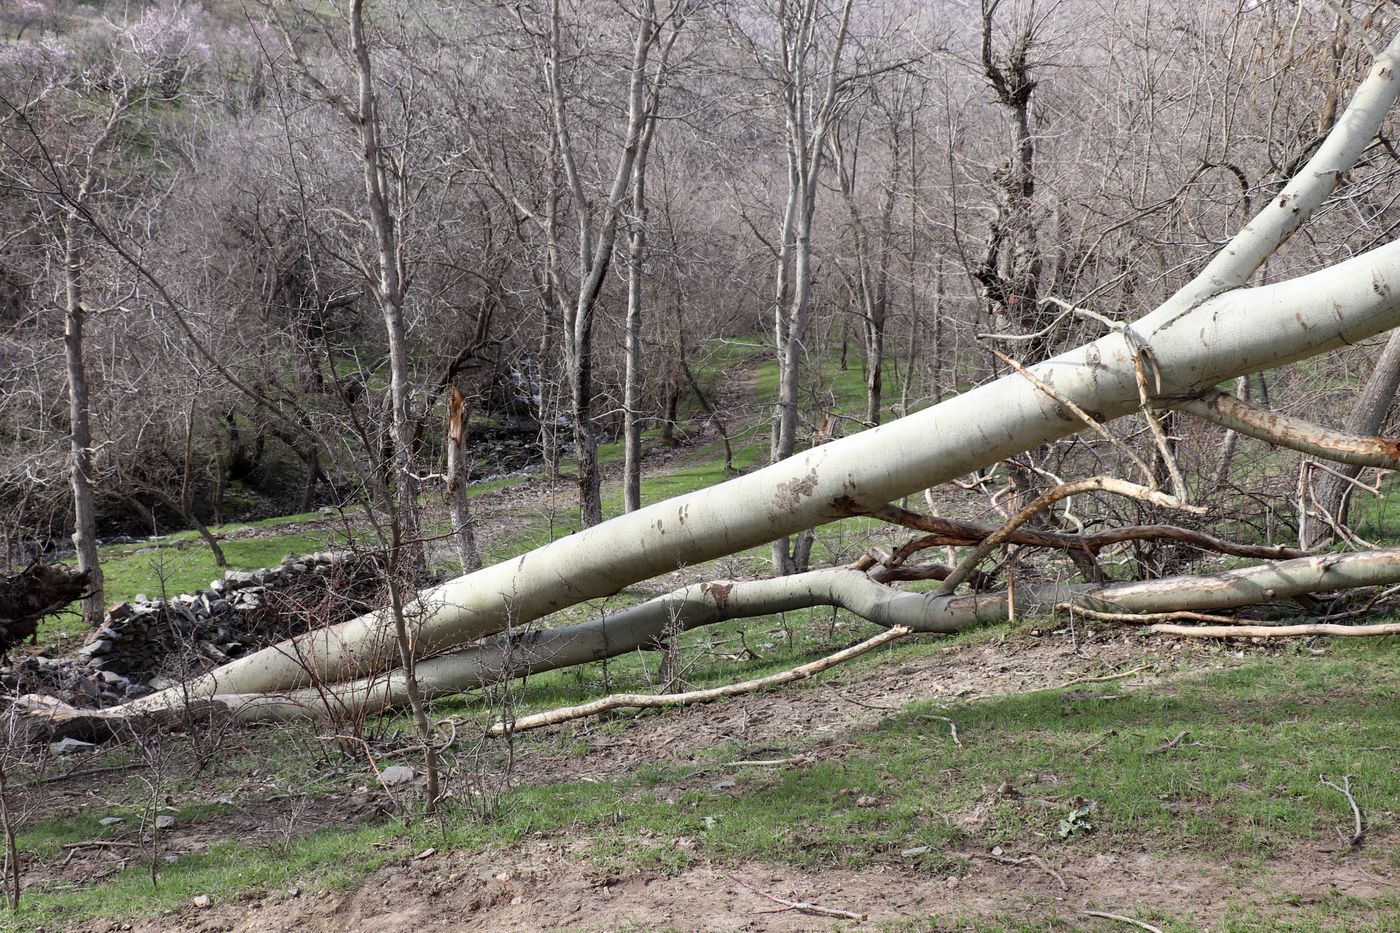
1035,860
1163,749
1359,828
952,726
1144,616
1122,919
800,906
654,701
1277,631
85,772
1104,679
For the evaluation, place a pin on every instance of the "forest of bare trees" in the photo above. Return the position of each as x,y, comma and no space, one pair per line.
277,244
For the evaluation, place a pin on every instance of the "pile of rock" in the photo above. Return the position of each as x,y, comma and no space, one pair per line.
148,644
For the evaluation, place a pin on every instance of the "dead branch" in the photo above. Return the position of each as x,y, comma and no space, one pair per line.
1173,743
655,701
800,906
1240,416
1122,919
1141,617
1094,483
1359,828
1035,860
1278,631
944,531
1102,680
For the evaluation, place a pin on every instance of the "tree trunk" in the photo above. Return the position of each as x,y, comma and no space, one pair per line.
390,290
463,533
81,465
632,393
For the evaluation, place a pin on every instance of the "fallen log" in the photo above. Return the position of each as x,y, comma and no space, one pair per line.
648,624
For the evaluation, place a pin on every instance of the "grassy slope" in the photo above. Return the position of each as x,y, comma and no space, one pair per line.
1244,786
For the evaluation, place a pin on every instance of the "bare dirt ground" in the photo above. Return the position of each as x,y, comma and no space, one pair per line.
548,887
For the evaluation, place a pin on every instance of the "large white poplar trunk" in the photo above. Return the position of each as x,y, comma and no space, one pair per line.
1238,332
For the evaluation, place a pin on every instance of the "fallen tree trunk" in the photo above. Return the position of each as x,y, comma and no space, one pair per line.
1210,331
646,625
1238,332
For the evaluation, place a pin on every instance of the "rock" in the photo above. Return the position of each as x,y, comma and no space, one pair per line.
69,746
201,901
725,785
113,678
395,775
100,646
165,821
914,852
110,821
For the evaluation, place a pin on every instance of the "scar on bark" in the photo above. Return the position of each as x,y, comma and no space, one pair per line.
719,592
789,494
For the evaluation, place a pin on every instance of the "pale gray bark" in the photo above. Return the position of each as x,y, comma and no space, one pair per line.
636,259
79,407
809,101
390,289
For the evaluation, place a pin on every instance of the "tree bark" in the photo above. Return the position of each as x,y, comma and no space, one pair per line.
463,528
389,288
81,464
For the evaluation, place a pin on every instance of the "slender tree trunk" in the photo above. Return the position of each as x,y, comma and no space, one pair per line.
590,498
1228,443
81,466
463,531
632,394
390,289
